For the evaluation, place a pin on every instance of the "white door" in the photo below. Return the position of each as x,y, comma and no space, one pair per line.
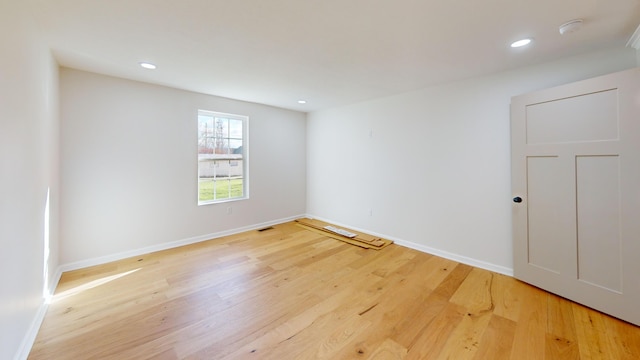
576,188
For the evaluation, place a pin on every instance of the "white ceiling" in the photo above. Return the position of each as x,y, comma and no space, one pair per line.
328,52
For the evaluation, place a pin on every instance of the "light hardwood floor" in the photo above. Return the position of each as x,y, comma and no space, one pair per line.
289,293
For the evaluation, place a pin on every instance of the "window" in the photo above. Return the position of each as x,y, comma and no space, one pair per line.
222,157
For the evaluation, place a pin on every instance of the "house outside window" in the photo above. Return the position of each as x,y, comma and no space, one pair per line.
222,157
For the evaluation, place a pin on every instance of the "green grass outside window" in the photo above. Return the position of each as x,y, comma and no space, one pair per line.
206,189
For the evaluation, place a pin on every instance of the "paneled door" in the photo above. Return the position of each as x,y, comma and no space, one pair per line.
575,158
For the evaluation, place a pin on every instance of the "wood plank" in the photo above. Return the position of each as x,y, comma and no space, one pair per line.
361,244
593,341
557,347
324,344
497,341
474,293
290,328
626,338
505,291
561,340
411,328
453,280
363,240
321,225
388,350
464,341
384,308
434,338
531,329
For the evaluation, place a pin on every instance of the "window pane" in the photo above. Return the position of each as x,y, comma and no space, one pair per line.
222,189
235,129
234,168
236,188
235,147
221,135
205,190
222,169
205,134
206,168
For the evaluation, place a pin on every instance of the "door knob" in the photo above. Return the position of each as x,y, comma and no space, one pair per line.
517,199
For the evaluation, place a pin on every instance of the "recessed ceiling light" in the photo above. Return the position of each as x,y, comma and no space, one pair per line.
302,101
520,43
147,65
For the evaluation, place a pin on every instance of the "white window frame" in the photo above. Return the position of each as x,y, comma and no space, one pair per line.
203,159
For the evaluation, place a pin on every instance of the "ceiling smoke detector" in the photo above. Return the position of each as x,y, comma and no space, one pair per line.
570,26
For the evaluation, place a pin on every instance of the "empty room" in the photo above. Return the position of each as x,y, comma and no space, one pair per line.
299,179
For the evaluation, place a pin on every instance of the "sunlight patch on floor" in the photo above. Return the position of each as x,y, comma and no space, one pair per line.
90,285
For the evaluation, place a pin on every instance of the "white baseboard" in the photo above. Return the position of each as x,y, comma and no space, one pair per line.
30,336
429,250
456,257
169,245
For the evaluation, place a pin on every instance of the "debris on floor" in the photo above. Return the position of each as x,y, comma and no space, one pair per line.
349,236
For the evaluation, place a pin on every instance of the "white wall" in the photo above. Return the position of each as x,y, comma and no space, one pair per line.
29,134
129,167
447,190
